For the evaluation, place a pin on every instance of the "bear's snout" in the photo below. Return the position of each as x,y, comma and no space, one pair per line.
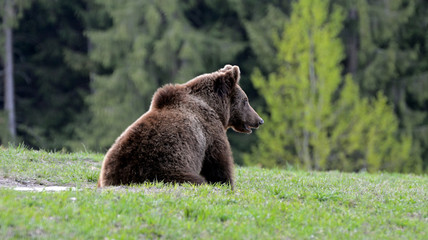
259,122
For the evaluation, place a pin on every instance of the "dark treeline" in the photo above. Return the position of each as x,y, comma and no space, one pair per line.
85,69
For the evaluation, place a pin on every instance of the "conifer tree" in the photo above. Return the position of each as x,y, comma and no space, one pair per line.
313,121
393,60
386,48
299,96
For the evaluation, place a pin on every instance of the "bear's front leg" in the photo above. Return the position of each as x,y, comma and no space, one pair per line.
218,164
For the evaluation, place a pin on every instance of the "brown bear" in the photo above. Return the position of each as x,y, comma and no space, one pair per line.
182,138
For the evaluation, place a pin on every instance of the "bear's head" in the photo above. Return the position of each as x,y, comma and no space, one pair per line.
221,91
242,117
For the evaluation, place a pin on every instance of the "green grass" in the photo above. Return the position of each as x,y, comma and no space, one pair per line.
266,204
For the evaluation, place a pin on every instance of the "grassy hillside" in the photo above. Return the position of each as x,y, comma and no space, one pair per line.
266,204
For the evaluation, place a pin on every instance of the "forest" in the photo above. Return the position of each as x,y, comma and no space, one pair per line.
342,85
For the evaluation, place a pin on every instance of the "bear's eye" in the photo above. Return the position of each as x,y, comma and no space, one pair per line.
245,101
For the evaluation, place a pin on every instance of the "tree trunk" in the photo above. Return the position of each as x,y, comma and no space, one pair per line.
315,102
352,43
305,150
9,102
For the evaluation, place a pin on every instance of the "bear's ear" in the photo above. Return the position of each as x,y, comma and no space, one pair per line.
225,68
228,78
232,71
235,74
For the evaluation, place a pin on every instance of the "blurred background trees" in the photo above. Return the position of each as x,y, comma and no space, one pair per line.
318,120
342,84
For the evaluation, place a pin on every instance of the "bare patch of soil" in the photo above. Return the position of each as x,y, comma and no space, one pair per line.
43,185
10,183
31,185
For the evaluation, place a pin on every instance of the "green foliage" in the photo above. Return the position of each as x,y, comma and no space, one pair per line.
314,123
10,13
49,91
266,204
4,131
364,135
392,59
255,16
19,6
299,96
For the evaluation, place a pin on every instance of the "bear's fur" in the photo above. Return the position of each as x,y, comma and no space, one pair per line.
182,138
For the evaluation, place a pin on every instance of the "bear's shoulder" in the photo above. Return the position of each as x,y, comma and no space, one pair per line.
168,95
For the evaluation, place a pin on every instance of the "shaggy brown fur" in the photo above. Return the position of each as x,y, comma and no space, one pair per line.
182,138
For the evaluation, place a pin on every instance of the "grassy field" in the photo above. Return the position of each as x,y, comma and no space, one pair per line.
266,204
